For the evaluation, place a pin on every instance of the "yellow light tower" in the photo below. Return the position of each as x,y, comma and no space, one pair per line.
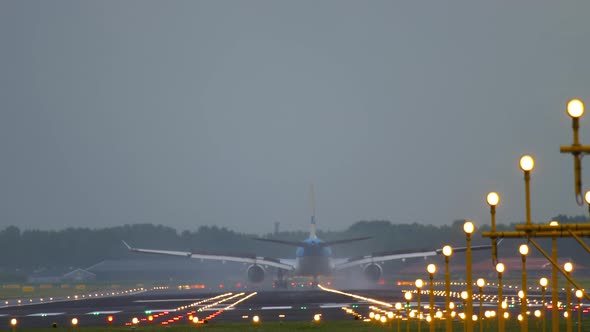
431,268
587,199
419,284
464,296
521,316
480,283
575,109
568,267
447,252
538,315
579,295
408,297
493,199
524,251
527,163
543,282
500,270
398,307
468,228
554,284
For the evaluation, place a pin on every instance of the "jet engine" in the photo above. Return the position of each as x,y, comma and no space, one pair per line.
373,272
255,273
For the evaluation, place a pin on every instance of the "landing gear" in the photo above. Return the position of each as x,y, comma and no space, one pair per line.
314,283
280,283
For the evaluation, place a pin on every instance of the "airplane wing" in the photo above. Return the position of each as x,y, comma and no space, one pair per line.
251,259
398,254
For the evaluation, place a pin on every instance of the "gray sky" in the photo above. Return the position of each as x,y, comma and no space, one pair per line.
189,113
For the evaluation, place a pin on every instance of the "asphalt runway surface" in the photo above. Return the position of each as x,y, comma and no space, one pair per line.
174,306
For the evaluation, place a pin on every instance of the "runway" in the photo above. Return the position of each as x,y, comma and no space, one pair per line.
179,306
166,305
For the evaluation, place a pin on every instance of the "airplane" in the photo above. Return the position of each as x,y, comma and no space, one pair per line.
313,258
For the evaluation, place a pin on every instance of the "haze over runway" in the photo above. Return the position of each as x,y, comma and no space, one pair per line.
200,113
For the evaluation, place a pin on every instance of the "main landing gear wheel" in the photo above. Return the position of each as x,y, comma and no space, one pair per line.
280,283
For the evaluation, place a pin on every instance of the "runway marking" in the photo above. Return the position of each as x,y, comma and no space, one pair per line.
161,310
166,300
283,307
334,305
44,314
217,309
356,296
103,312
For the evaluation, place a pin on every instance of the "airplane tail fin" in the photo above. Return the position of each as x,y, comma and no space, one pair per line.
312,230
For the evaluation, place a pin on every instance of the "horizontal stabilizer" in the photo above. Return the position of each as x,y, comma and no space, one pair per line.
285,242
330,243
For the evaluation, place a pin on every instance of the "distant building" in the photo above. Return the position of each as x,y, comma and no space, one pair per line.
57,276
78,275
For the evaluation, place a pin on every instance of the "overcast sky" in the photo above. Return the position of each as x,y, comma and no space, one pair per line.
190,113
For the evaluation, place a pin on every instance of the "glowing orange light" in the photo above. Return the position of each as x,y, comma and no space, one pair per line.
110,319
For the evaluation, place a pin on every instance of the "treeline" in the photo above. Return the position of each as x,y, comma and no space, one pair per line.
28,250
